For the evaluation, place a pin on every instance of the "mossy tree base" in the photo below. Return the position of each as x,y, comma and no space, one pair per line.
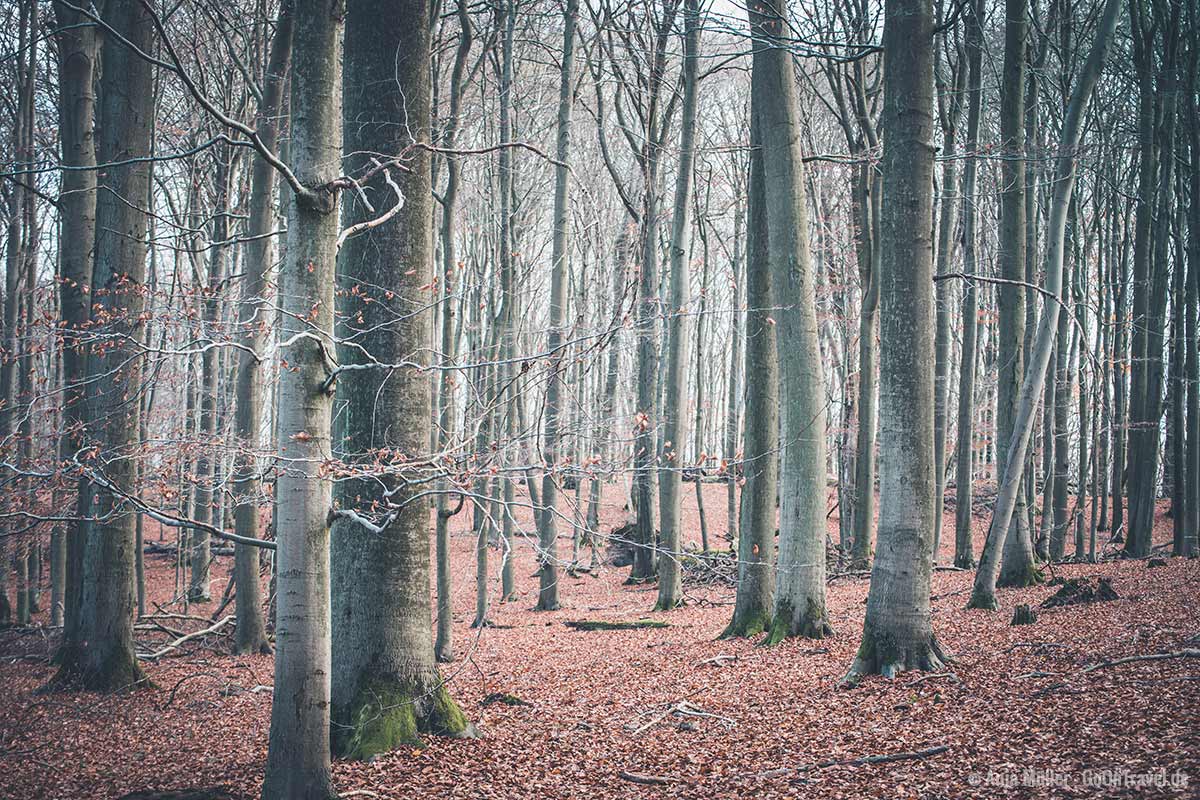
744,626
391,714
812,624
985,601
119,673
669,605
880,654
1025,575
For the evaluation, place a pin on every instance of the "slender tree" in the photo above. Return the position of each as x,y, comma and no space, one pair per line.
548,557
298,752
1011,488
674,412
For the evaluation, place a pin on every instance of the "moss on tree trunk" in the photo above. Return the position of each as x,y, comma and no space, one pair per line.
387,714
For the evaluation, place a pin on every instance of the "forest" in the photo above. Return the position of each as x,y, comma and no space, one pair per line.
599,398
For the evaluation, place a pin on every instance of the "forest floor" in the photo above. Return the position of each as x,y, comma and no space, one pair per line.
696,716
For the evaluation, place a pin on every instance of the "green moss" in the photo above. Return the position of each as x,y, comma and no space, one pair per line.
814,624
1027,574
600,625
983,600
504,699
391,714
751,624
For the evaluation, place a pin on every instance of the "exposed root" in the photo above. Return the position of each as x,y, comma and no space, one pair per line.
880,654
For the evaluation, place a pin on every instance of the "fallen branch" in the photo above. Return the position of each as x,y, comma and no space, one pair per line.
880,759
934,676
157,654
646,780
718,661
1188,653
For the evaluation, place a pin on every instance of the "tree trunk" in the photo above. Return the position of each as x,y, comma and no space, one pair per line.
898,631
800,596
251,634
124,120
674,412
734,389
298,752
1150,265
759,466
387,688
1008,497
199,587
548,555
964,556
1018,564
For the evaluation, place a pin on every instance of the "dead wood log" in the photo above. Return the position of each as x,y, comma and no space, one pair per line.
646,780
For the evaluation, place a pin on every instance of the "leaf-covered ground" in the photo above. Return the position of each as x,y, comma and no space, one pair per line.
607,709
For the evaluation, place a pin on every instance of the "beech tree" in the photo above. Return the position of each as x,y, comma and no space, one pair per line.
298,755
898,631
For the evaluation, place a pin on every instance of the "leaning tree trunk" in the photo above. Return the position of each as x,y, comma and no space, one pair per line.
547,529
387,688
124,121
800,599
298,753
983,594
248,410
759,466
898,631
1018,562
674,412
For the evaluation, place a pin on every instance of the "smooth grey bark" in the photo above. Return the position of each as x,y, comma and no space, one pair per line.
298,765
755,599
1008,497
1060,414
15,265
548,583
386,685
199,586
950,105
125,117
1156,129
803,497
251,636
674,408
1018,561
78,50
898,631
444,436
869,261
964,557
733,391
1191,528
